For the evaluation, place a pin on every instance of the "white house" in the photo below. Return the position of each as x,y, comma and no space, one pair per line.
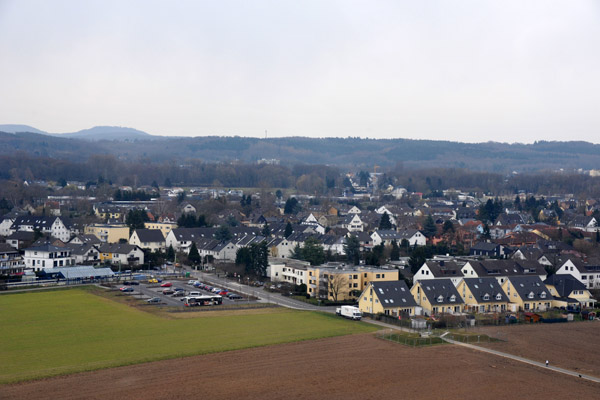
47,256
52,226
586,273
353,223
414,237
149,239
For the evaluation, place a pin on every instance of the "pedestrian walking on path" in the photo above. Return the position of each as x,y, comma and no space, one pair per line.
547,363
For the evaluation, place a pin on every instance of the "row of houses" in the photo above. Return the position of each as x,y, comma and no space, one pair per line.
433,297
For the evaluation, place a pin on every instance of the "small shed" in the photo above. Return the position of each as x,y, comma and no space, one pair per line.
532,317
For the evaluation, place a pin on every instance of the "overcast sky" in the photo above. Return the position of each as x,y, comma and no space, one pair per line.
473,71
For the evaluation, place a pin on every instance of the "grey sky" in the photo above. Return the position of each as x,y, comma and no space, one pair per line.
510,71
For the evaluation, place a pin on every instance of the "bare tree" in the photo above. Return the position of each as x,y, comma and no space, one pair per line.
338,284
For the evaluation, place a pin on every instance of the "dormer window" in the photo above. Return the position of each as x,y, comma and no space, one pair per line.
530,295
440,299
453,298
498,297
543,295
486,297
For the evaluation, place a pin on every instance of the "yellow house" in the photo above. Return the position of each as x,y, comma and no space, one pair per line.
339,282
164,227
527,293
108,233
107,212
437,296
482,295
568,292
389,298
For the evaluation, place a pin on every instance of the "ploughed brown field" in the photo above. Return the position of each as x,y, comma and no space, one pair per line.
574,346
348,367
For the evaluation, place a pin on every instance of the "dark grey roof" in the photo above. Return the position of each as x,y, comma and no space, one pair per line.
445,269
21,236
48,248
485,246
440,292
42,223
564,284
507,268
393,294
150,235
119,248
6,248
533,286
486,290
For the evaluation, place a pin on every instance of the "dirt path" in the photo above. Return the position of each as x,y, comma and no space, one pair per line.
572,346
350,367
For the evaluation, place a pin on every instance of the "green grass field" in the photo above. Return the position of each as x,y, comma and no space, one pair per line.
50,333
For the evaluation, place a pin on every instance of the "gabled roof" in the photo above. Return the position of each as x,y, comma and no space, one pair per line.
48,248
440,291
6,248
507,268
117,248
485,246
24,236
150,235
393,294
81,249
41,223
564,284
530,288
480,287
445,269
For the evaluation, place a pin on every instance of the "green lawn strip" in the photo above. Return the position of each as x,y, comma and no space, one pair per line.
409,338
59,332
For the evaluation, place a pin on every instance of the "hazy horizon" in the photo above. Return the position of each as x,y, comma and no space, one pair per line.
469,71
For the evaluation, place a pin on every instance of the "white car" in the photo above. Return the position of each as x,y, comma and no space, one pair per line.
191,282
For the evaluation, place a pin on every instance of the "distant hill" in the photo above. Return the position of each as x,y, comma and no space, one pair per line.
138,146
107,133
14,128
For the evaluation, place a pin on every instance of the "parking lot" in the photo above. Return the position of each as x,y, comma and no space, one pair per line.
145,291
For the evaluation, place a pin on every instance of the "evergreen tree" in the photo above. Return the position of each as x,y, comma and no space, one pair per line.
171,253
291,206
448,226
395,253
486,232
223,233
352,249
288,230
385,223
194,255
266,231
429,227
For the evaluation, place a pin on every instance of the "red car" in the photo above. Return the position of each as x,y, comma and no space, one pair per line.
166,284
223,293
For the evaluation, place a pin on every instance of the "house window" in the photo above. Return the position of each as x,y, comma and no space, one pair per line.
382,275
486,297
530,295
584,277
527,306
377,276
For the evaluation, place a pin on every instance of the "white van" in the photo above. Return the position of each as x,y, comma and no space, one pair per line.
192,294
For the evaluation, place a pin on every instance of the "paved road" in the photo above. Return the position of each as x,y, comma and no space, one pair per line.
524,360
259,293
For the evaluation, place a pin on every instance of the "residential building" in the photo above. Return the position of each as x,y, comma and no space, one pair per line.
53,226
389,298
385,237
109,233
482,295
527,293
164,226
568,292
437,296
11,262
148,239
48,256
121,254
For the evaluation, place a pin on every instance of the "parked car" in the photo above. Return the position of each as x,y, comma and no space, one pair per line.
166,284
168,291
152,280
215,290
154,300
179,289
126,289
234,296
134,283
179,293
192,282
223,293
